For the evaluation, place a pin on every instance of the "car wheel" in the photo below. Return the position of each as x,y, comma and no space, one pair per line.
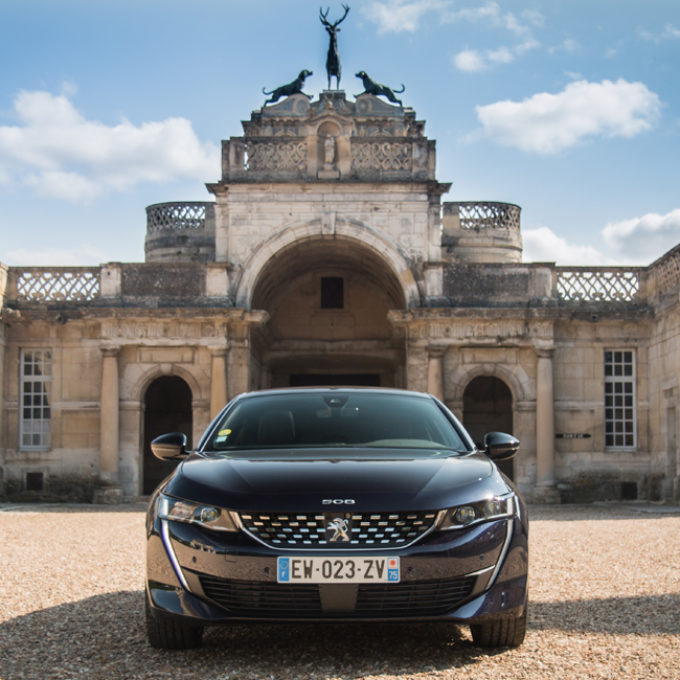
503,632
165,632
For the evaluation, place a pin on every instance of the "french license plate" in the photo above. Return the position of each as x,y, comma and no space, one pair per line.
338,570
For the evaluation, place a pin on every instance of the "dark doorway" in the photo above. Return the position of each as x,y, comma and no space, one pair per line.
326,379
487,407
167,408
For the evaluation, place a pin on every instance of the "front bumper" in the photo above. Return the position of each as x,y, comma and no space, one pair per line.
217,577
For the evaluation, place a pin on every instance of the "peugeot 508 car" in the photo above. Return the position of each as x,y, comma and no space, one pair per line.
336,504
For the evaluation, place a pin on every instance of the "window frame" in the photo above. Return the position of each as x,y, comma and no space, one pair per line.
38,397
622,380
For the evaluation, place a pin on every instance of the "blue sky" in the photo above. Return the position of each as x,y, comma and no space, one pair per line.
569,108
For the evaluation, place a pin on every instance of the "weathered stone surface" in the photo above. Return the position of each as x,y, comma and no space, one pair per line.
486,284
163,281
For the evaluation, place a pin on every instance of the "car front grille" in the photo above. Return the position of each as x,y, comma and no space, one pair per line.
338,531
426,598
258,599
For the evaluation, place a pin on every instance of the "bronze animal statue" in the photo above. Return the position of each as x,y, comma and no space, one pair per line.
333,57
371,87
289,88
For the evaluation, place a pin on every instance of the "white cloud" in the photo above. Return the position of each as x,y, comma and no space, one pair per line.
84,255
60,153
548,123
398,16
543,245
527,45
472,61
469,61
533,16
513,24
641,240
490,13
568,45
633,242
502,55
670,32
64,185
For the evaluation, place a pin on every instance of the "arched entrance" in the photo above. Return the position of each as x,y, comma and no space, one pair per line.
167,408
328,301
487,407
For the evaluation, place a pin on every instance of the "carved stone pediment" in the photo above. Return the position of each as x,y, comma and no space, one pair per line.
295,105
331,139
370,105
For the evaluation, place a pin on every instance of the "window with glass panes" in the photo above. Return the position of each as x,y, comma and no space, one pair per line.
36,379
619,399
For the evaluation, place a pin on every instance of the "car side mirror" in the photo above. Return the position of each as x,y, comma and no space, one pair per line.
171,446
500,446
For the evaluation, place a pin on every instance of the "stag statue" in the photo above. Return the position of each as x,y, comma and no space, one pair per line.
333,58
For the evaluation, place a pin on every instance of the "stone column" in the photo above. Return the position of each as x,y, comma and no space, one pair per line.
2,398
416,367
545,430
3,293
239,367
218,380
109,416
435,372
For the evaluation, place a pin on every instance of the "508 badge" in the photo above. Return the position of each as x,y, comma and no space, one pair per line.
338,501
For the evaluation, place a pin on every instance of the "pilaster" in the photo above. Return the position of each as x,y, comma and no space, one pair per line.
435,372
109,417
2,402
545,490
218,380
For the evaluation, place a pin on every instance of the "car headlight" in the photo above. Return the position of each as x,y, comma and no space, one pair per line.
463,516
207,516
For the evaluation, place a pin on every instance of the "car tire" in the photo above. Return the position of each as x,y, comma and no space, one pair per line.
505,632
165,632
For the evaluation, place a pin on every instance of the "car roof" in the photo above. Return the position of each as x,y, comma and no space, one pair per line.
333,388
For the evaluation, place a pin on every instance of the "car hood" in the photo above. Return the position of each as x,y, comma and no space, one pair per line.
302,484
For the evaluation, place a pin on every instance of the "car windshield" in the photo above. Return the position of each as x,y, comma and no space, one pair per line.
336,419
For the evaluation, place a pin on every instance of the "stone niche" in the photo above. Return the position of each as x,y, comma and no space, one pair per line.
331,151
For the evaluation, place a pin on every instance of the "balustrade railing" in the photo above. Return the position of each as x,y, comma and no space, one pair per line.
597,284
58,284
177,216
666,271
487,215
571,284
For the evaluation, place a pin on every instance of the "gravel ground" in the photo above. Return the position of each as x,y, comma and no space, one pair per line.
605,603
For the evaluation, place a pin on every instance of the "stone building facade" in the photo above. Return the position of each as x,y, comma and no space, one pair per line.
328,257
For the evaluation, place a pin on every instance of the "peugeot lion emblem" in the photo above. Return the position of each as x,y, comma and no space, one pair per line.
340,528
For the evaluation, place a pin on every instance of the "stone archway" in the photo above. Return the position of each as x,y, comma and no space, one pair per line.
328,301
167,408
369,245
487,407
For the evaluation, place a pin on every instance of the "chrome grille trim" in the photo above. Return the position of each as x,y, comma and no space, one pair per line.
301,531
